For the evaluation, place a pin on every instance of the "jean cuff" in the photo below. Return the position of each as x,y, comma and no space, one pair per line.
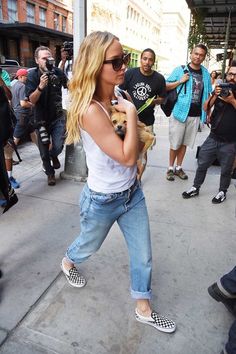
138,295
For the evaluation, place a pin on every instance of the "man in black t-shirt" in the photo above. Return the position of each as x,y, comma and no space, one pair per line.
43,88
221,143
144,83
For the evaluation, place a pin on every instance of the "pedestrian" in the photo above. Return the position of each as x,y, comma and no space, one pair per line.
43,89
225,291
195,84
23,109
65,65
221,142
143,83
213,79
112,192
5,82
7,194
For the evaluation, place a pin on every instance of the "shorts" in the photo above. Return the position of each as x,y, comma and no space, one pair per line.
23,126
183,133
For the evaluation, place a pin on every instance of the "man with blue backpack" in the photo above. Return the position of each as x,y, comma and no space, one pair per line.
193,85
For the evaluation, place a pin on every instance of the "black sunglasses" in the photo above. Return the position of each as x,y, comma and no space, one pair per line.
117,63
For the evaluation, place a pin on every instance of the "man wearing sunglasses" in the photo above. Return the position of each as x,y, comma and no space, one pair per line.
144,83
221,142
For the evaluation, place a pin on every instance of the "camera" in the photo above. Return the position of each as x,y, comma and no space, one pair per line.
68,47
52,77
44,135
225,88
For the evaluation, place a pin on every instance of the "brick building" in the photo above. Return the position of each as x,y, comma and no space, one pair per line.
26,24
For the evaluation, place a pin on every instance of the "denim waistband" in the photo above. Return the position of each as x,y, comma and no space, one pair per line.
131,189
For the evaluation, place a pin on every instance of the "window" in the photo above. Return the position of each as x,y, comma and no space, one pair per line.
42,17
12,10
64,20
30,13
56,21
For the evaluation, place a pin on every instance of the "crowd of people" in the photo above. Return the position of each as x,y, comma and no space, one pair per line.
112,192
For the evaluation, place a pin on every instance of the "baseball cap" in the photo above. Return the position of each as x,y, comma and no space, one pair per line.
21,72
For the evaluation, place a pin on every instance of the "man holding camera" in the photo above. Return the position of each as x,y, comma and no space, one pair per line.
221,142
43,88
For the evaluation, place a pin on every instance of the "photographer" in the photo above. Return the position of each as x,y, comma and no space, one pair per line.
66,66
221,142
43,88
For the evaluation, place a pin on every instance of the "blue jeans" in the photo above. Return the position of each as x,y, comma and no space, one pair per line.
98,212
56,131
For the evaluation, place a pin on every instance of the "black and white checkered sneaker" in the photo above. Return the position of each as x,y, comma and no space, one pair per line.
73,277
161,323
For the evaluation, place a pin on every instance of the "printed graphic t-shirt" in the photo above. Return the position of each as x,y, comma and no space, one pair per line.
141,87
195,108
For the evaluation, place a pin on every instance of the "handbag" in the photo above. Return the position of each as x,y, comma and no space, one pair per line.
171,98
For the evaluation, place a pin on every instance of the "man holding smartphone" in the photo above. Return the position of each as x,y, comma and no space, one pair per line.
187,112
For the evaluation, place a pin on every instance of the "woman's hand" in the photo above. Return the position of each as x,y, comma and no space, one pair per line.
124,105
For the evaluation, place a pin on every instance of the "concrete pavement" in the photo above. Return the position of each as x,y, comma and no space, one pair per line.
193,244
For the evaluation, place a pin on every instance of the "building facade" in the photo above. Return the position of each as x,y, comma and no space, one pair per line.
160,25
26,24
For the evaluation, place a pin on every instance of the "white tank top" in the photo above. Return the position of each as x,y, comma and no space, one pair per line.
105,175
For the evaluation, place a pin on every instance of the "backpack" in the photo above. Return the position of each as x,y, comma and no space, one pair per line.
171,98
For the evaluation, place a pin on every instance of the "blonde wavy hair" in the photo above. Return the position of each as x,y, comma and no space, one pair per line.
82,86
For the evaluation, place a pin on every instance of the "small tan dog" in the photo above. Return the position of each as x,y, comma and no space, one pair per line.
119,121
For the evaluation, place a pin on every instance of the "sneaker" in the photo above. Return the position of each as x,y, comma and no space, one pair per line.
170,175
181,174
216,294
14,182
193,192
161,323
73,277
219,198
55,163
51,180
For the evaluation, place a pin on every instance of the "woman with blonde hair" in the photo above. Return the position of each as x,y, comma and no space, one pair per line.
112,192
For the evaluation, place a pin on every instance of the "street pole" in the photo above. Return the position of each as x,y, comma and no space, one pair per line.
226,46
75,161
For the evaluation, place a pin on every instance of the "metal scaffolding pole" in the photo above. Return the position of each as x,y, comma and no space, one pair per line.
75,161
226,45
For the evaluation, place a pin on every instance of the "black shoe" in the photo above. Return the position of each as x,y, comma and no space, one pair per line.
13,199
215,292
51,180
219,198
192,192
55,163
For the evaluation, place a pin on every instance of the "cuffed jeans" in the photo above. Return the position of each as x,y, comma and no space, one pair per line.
210,150
98,212
55,130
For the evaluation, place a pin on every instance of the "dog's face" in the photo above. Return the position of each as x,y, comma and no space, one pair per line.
119,122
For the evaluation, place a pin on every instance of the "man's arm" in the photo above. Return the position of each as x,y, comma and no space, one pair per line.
172,85
35,95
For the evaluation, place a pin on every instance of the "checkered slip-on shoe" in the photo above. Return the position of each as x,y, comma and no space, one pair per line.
161,323
73,277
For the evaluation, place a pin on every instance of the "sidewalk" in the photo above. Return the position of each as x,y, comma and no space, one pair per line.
193,244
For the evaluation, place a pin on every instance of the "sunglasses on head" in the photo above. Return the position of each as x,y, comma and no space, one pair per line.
117,63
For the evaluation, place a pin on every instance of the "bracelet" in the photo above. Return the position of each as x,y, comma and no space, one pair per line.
40,90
